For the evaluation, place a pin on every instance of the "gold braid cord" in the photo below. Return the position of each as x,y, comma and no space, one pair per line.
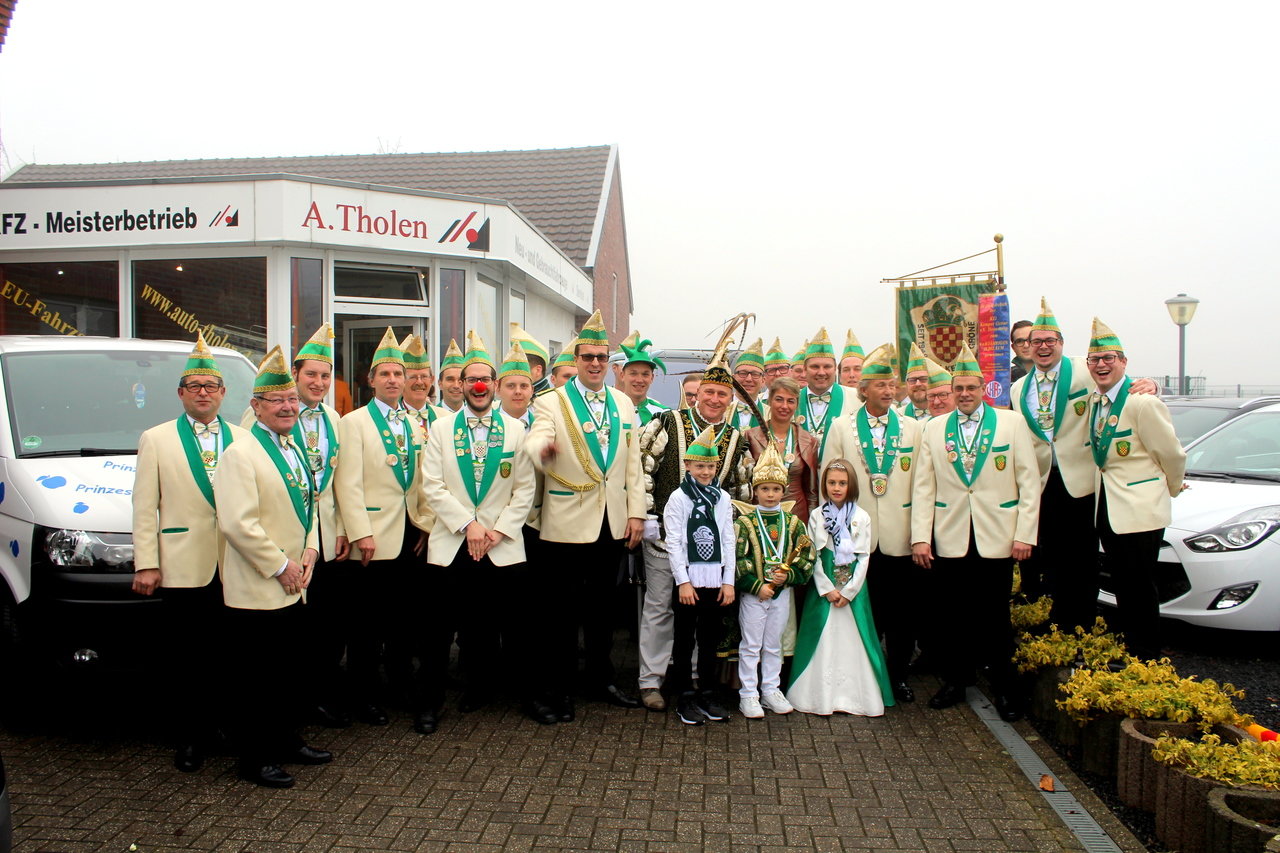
579,451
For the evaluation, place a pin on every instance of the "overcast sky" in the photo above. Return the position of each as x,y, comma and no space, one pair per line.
778,159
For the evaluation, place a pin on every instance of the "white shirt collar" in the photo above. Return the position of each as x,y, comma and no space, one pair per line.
584,390
383,407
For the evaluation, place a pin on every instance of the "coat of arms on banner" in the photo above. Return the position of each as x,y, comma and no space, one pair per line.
943,324
705,541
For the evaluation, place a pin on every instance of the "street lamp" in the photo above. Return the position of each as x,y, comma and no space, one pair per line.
1182,308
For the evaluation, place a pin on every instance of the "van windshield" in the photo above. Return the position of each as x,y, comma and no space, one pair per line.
65,402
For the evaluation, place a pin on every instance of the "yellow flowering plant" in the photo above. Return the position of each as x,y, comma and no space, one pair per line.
1033,614
1151,690
1060,648
1248,764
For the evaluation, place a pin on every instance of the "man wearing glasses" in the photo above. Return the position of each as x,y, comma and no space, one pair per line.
1019,339
1140,464
940,399
176,544
749,371
917,384
584,439
1052,399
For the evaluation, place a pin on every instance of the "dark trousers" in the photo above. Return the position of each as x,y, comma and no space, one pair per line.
265,710
1064,563
900,605
973,595
579,591
332,618
194,666
1131,560
702,622
399,611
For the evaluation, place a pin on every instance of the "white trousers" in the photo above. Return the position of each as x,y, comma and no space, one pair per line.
657,620
760,649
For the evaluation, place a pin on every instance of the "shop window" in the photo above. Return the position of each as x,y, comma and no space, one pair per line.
306,276
515,309
355,282
225,298
452,310
487,319
60,299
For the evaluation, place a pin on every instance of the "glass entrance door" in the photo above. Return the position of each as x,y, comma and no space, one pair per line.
357,338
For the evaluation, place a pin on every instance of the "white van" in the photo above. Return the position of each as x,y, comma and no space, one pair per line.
73,409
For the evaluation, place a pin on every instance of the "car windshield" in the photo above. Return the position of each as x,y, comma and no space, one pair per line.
64,402
1247,446
1191,422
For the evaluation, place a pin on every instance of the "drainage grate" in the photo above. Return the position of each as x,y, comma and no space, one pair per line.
1075,816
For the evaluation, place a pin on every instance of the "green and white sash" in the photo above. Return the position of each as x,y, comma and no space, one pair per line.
590,427
301,494
1101,442
402,465
300,438
879,465
200,472
478,470
1060,394
981,443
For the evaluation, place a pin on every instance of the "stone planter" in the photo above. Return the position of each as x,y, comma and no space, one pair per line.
1135,768
1100,745
1182,803
1044,693
1242,820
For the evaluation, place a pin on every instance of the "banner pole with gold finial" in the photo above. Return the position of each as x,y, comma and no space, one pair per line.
999,238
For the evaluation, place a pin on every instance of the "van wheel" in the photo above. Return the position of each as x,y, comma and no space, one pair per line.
25,691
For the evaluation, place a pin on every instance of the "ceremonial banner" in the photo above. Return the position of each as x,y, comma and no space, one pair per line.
993,346
939,318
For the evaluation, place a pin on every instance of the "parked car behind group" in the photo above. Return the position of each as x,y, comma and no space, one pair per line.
1194,416
1219,562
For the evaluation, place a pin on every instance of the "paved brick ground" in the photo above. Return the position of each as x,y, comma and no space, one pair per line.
913,780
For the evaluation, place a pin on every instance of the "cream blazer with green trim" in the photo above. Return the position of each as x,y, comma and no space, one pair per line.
1003,505
504,508
1075,464
891,512
371,501
175,529
1141,482
576,516
256,515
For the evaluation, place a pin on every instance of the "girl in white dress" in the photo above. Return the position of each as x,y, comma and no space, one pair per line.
838,664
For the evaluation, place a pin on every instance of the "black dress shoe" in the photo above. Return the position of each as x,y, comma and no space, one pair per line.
425,722
371,715
268,776
564,710
611,694
903,692
188,758
331,717
473,702
950,694
308,755
540,712
1009,709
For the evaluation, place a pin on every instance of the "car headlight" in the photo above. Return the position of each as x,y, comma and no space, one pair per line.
112,552
1235,534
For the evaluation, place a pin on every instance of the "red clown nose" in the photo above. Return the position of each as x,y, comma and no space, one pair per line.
481,387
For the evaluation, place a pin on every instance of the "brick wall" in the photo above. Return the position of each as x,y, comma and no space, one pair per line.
611,260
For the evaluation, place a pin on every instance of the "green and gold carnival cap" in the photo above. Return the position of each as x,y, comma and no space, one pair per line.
528,344
966,364
636,351
939,376
915,361
879,365
770,468
703,448
200,362
388,351
318,347
798,359
775,356
852,349
1104,340
1046,322
273,373
476,352
516,363
594,332
415,354
452,356
819,346
753,355
565,358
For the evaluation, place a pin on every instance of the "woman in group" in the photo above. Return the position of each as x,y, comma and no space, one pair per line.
797,447
838,665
